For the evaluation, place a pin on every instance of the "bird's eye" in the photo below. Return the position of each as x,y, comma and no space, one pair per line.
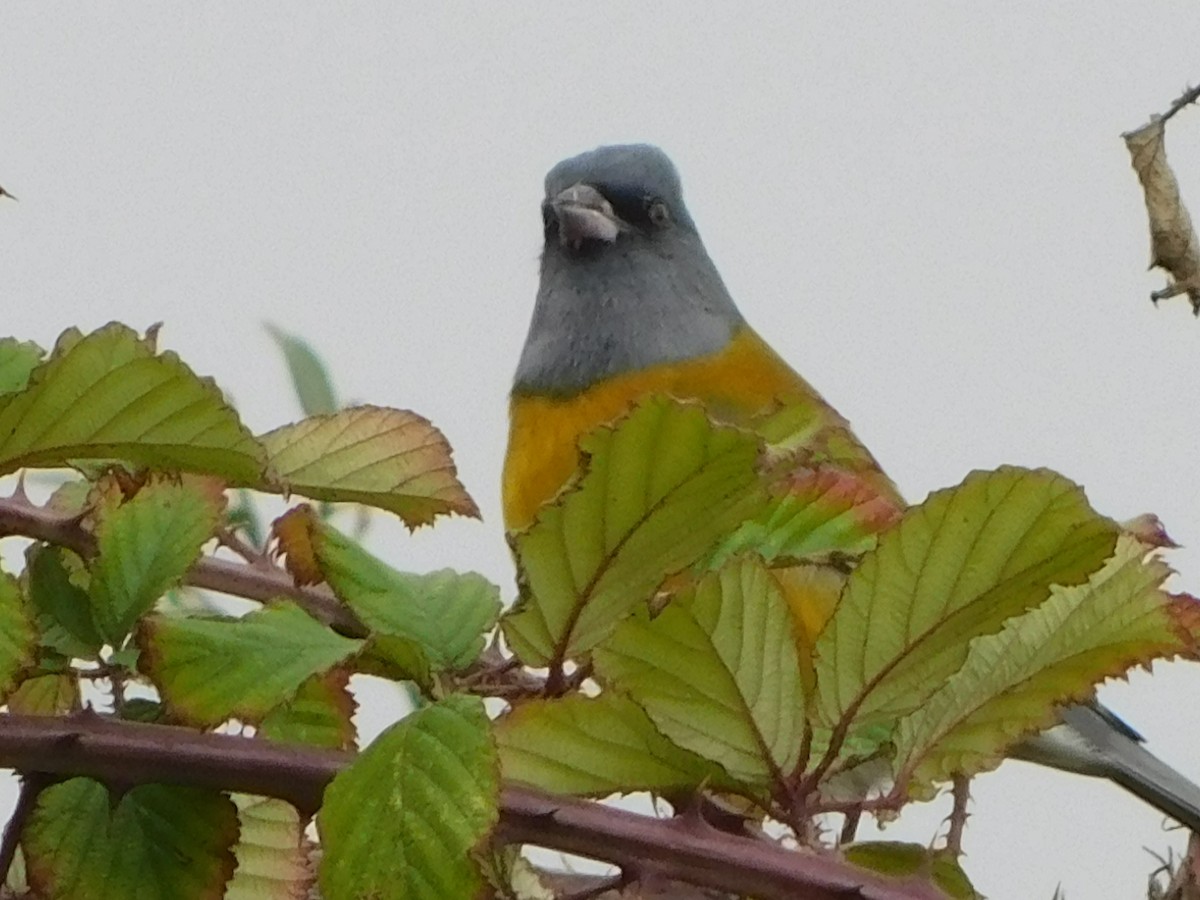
658,213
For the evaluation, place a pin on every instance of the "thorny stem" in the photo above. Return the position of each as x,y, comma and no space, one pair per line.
1190,96
958,813
31,786
260,582
133,753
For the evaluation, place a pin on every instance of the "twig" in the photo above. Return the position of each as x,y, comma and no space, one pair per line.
958,814
229,538
1190,96
133,753
253,582
32,785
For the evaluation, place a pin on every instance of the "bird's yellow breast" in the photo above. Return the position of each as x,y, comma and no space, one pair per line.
743,378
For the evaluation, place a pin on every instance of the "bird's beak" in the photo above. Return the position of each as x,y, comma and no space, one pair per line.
584,215
4,193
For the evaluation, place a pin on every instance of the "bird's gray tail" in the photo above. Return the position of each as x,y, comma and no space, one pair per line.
1093,741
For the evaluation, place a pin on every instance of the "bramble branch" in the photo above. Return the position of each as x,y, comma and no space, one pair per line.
682,849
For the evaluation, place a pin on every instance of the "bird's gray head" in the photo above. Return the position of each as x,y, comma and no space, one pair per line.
626,282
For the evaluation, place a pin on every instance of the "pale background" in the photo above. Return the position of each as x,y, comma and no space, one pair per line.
927,208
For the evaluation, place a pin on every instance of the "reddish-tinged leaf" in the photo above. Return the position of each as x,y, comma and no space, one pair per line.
1010,681
321,714
293,533
388,458
18,639
45,695
154,842
210,670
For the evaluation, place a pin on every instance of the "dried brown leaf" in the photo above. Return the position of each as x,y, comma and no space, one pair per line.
1174,246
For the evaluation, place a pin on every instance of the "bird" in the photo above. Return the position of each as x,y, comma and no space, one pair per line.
630,305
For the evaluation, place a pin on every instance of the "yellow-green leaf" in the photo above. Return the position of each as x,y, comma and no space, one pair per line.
595,746
659,489
17,360
956,567
388,458
46,695
717,672
271,859
1011,680
913,860
18,639
108,395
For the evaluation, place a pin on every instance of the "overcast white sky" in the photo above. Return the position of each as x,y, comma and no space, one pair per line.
926,207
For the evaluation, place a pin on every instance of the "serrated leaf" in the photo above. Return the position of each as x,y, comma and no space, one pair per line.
956,567
156,842
816,512
62,610
18,638
659,489
143,548
211,670
310,378
1011,680
17,360
271,859
45,695
427,789
595,746
392,459
445,612
108,395
321,714
717,672
395,658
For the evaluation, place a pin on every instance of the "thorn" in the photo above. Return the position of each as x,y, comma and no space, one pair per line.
4,193
19,494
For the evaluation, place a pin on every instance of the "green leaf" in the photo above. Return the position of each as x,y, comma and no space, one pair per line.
595,746
18,639
62,609
388,458
913,860
956,567
816,512
396,658
321,714
445,612
107,395
156,843
309,375
717,672
144,547
211,670
1011,680
658,490
17,360
45,695
243,515
271,859
427,790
